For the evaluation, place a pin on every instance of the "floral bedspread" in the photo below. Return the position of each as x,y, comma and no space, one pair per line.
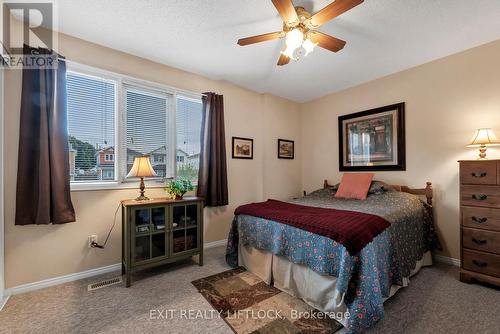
366,277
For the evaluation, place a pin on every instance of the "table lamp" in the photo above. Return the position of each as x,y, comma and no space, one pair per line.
481,139
142,168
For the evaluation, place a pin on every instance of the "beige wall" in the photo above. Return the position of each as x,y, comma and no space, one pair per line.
446,100
34,253
280,175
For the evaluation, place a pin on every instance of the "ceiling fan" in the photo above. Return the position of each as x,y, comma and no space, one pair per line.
299,29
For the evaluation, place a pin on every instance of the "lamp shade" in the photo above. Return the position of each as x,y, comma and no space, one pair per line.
483,137
141,168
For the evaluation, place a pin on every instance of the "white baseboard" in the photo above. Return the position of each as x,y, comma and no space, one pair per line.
448,260
81,275
3,301
61,279
214,244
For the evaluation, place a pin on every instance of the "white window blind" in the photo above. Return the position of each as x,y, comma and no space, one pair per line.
147,128
188,131
91,127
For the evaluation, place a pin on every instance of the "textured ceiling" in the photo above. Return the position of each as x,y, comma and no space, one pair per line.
383,37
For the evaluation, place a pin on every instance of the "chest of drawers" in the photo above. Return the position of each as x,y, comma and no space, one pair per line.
480,220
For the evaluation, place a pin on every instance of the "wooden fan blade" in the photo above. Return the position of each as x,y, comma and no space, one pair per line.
326,41
259,38
332,11
287,11
283,60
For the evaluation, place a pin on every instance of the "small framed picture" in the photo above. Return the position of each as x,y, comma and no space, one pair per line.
286,149
242,148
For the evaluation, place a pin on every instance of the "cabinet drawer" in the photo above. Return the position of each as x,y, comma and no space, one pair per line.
478,172
485,196
482,218
480,262
482,240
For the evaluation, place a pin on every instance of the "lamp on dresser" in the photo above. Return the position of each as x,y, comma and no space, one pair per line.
142,168
480,221
483,138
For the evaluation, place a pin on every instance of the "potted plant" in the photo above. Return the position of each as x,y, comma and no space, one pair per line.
177,188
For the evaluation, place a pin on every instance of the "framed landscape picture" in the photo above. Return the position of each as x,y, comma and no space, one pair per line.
373,140
285,149
242,148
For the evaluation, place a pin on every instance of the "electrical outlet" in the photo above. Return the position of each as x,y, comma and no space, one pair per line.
91,239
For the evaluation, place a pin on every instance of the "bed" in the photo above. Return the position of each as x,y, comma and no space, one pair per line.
347,282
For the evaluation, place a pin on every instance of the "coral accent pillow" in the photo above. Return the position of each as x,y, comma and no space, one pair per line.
354,185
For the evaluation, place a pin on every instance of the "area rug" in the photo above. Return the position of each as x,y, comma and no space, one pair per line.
249,305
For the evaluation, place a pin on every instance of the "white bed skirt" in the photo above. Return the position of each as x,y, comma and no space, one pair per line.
319,291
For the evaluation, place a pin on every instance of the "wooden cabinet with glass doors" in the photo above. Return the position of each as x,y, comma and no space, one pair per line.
160,231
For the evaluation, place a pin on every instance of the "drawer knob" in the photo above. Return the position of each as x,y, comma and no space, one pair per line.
480,263
479,175
479,241
479,197
479,220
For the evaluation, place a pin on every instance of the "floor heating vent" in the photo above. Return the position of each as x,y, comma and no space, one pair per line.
105,283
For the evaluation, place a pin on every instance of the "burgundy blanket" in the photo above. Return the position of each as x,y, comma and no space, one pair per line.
354,230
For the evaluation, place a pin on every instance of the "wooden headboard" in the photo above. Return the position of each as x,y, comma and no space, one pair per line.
427,191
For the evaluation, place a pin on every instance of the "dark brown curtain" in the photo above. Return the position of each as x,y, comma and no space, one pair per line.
43,185
212,176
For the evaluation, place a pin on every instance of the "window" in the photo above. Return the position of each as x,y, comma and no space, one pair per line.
108,174
107,133
147,130
159,158
91,127
188,131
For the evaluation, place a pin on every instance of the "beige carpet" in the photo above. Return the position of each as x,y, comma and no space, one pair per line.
435,302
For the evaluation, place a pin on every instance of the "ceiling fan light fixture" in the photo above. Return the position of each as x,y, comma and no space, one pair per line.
299,26
294,38
295,53
309,46
289,52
